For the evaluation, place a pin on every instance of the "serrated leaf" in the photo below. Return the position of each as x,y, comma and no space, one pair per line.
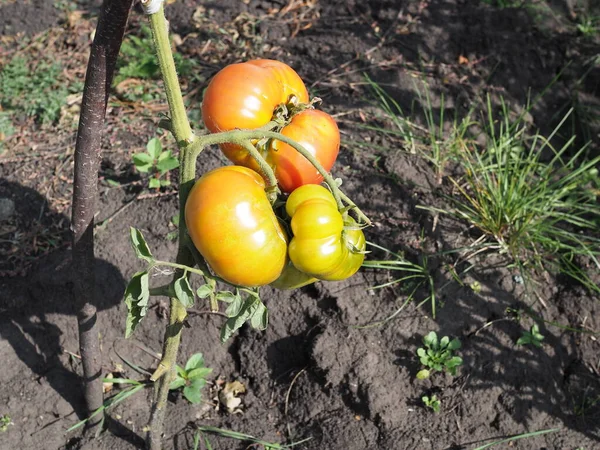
196,361
154,148
166,162
423,374
235,306
201,372
183,291
136,296
235,322
204,291
154,183
143,162
193,392
139,245
260,318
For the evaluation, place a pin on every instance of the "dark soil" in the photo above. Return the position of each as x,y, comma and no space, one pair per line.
312,373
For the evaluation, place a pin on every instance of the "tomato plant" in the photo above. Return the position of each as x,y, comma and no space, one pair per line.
233,226
324,245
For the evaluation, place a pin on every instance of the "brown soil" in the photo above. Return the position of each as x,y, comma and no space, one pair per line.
311,374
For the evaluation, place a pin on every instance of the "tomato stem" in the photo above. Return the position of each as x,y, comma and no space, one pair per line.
182,131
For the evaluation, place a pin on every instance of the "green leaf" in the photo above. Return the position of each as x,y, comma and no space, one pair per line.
227,297
431,340
181,372
154,148
139,245
421,352
112,182
444,342
137,294
176,383
236,321
143,162
260,318
201,372
195,362
235,306
183,291
166,162
154,183
193,392
523,340
204,291
454,361
423,374
454,345
165,182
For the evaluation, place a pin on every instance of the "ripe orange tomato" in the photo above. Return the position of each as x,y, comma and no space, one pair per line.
318,133
290,81
233,226
241,96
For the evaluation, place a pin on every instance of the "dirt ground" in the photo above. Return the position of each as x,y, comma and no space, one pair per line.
312,373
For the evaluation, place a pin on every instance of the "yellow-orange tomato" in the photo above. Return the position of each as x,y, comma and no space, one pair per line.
291,82
245,95
318,133
233,226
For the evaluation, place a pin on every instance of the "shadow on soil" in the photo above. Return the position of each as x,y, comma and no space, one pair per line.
34,296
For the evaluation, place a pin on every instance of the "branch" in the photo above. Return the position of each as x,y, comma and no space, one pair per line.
101,65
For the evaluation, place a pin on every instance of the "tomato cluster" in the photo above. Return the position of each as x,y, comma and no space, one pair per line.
228,214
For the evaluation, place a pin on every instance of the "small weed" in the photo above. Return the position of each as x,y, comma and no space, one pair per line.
412,276
503,4
34,88
588,26
431,142
157,162
432,402
174,222
541,214
192,378
6,128
533,336
438,355
5,422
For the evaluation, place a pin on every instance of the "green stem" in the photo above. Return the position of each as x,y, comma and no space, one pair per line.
179,122
239,137
184,136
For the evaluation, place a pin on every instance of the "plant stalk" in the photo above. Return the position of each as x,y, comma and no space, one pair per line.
182,131
100,69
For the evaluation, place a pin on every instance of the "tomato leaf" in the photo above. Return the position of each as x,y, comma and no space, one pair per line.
137,294
154,148
139,245
234,323
260,318
143,162
235,306
204,291
183,291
